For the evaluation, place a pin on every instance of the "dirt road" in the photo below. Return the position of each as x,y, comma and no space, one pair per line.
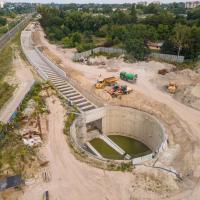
146,72
71,179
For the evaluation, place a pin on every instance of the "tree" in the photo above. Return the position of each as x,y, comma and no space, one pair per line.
137,48
180,38
165,18
152,8
3,21
76,38
163,31
195,42
133,14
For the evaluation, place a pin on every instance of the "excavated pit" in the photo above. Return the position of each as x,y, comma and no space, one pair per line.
123,133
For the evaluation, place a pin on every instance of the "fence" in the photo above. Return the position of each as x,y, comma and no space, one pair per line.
86,54
165,57
168,57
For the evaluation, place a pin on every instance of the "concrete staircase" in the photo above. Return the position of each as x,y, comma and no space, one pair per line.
70,93
49,71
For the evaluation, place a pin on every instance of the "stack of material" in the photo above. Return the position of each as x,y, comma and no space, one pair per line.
172,87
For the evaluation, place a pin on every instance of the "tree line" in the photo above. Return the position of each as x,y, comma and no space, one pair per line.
179,33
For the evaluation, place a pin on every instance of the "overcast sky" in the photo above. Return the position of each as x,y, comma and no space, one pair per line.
92,1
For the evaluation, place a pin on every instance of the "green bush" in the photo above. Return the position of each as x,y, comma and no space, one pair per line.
3,21
6,91
85,47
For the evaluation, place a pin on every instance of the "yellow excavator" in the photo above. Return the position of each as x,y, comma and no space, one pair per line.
102,83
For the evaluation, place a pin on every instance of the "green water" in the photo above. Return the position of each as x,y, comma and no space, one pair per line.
105,150
131,146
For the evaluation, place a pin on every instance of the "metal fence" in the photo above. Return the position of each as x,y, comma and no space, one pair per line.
165,57
168,57
86,54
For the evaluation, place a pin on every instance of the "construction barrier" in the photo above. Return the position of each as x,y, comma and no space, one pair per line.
165,57
168,57
86,54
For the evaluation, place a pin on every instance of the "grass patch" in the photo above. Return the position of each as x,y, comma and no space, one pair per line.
5,93
105,150
6,56
131,146
34,94
14,155
99,41
186,65
107,55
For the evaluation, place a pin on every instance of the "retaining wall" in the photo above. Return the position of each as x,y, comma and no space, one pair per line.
124,121
135,124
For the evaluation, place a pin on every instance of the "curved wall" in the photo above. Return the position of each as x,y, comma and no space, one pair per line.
123,121
136,124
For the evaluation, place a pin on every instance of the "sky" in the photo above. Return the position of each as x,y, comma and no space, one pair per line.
93,1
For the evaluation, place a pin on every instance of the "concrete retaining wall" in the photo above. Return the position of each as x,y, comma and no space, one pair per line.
124,121
135,124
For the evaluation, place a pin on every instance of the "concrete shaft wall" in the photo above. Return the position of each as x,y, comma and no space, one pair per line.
135,124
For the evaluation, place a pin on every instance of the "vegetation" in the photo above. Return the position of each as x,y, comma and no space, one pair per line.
3,21
14,155
80,26
6,90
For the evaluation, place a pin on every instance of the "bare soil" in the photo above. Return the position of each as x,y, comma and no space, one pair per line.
75,180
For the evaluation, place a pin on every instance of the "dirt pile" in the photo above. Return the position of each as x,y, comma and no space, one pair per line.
188,83
189,95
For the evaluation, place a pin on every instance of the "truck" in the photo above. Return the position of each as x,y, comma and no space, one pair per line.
102,83
131,77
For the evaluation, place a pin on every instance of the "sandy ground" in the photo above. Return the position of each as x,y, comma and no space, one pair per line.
71,179
146,83
22,78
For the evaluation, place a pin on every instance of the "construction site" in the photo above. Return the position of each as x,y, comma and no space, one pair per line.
109,129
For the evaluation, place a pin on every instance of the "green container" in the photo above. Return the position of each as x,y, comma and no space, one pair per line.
127,76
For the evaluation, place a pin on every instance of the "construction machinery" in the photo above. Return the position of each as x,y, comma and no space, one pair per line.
118,90
102,83
128,76
172,87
